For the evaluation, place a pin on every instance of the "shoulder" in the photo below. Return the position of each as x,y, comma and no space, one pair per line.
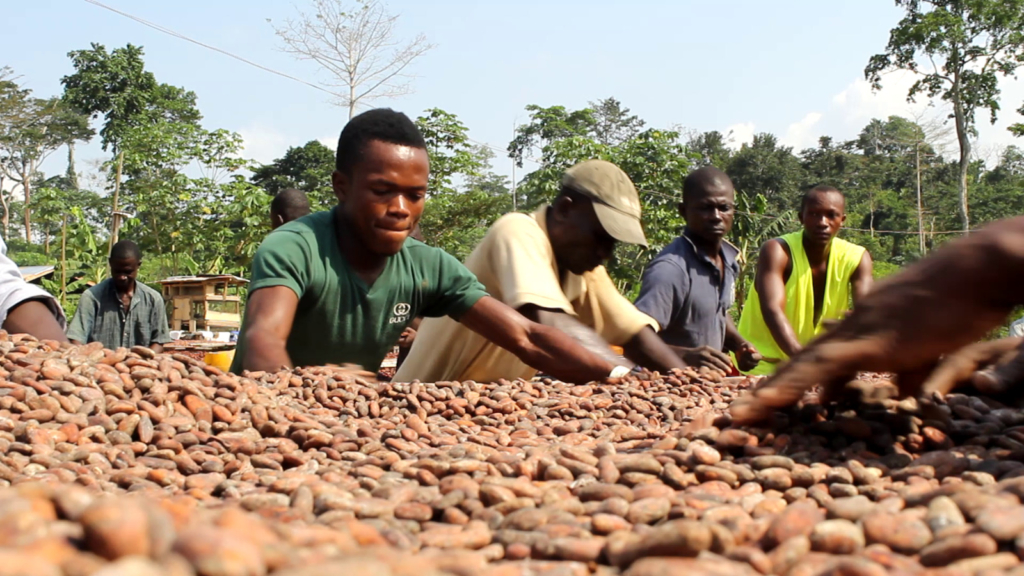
310,229
851,251
514,224
777,248
672,258
150,293
96,292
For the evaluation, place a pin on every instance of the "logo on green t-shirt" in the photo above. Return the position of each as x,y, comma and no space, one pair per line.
400,313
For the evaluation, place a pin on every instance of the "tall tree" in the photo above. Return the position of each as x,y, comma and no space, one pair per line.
959,49
307,168
30,130
357,45
117,86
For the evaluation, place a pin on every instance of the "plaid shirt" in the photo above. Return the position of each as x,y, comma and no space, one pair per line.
102,318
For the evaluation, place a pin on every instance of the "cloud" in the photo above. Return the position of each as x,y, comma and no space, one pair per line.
799,135
263,143
857,104
739,134
329,141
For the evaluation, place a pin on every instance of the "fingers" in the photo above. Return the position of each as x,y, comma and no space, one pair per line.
717,359
1000,378
961,365
824,362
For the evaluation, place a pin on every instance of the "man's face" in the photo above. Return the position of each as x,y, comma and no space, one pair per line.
583,243
709,212
822,216
383,196
124,271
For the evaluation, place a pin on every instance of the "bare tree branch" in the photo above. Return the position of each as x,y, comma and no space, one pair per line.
356,44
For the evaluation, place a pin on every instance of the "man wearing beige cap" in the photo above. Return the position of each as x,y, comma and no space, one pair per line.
549,266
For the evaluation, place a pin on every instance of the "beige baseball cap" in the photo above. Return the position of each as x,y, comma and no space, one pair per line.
616,201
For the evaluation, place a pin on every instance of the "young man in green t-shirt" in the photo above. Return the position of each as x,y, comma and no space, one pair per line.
341,286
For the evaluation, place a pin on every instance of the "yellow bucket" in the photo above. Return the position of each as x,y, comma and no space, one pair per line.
221,360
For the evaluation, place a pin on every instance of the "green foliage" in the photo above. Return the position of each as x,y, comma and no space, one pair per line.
117,86
307,168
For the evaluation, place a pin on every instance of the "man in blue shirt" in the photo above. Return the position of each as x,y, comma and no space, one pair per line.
688,287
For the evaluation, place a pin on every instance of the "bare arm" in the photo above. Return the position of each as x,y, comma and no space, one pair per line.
649,350
771,291
156,347
861,279
35,318
733,340
542,347
270,313
578,331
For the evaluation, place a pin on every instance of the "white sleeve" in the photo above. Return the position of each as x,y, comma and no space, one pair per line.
14,290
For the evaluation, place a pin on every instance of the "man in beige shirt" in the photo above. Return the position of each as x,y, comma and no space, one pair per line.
548,266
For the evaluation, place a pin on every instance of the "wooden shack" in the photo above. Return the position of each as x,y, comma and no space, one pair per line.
205,302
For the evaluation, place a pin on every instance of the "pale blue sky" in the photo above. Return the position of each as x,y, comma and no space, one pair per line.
792,67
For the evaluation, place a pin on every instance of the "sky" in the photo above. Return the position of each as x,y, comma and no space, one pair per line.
793,68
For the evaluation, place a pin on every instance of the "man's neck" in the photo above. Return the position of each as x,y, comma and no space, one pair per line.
816,253
364,263
129,291
709,248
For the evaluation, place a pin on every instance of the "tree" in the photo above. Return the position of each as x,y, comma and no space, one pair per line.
975,42
30,130
656,161
357,46
613,123
307,168
117,86
451,153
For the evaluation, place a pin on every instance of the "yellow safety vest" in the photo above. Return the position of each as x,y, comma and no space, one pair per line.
843,259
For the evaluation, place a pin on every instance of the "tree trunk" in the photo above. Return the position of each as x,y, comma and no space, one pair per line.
351,100
3,203
72,174
115,220
965,153
27,186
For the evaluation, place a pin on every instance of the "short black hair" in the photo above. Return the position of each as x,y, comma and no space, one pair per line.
383,124
291,204
124,250
703,178
819,189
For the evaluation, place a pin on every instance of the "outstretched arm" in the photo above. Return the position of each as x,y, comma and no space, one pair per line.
269,314
584,335
542,347
771,291
650,351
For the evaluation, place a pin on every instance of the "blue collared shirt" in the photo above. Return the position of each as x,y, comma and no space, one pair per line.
684,291
101,317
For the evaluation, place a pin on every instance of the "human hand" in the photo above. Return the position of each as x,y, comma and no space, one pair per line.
747,357
706,356
992,367
407,337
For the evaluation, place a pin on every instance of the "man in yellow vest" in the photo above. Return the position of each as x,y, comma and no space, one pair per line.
804,280
925,324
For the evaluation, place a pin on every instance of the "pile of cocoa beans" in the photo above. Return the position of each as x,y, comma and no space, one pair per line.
127,463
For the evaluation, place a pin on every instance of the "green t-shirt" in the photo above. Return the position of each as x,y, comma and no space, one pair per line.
341,320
